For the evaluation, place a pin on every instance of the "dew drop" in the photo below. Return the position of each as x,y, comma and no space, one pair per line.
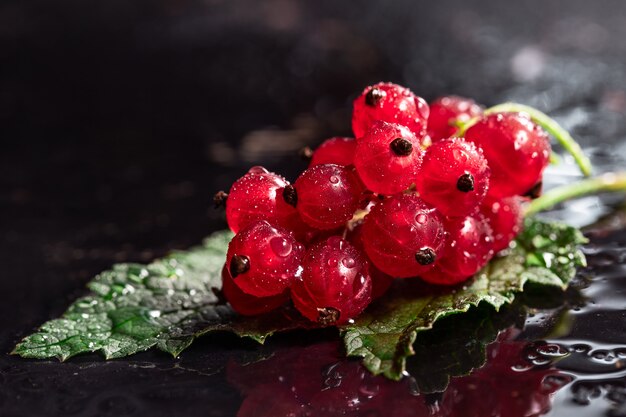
280,246
348,262
334,179
421,218
332,262
258,170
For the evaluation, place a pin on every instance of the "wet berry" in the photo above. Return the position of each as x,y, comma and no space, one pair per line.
516,149
380,281
467,250
390,103
388,158
246,304
505,218
449,109
337,150
335,285
326,196
264,260
258,196
403,236
454,177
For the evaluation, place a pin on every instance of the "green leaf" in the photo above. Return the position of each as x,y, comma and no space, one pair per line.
170,302
134,307
546,253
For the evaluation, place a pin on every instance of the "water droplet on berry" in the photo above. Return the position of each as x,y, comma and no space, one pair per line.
332,262
280,246
334,179
336,242
421,218
348,262
258,170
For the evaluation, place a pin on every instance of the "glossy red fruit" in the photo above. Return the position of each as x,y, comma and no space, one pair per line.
247,304
337,150
388,158
403,236
505,218
335,285
468,249
264,260
390,103
516,149
380,281
326,196
449,109
454,177
258,195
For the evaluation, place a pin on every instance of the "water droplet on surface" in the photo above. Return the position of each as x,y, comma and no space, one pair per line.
280,246
348,262
421,218
334,179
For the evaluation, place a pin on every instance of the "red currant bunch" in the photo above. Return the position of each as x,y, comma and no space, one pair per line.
389,204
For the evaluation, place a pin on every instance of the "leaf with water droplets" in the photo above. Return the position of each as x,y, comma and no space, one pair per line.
134,307
545,253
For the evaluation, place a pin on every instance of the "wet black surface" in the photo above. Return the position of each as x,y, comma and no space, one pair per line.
118,121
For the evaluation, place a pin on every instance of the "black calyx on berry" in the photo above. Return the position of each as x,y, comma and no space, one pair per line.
290,195
373,97
401,147
239,264
219,199
327,316
306,153
465,183
535,191
425,256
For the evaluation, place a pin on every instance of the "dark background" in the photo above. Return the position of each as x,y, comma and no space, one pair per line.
120,119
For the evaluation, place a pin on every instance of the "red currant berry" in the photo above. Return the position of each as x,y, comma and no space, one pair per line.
337,150
326,195
505,218
403,236
258,196
516,149
390,103
246,304
468,249
380,281
449,109
264,260
454,177
388,158
335,285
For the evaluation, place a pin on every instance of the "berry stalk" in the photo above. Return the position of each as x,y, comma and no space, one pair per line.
553,128
610,182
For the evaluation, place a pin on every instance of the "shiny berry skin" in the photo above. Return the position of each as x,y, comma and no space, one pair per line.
327,195
403,236
388,158
505,218
454,177
264,260
249,305
335,285
337,150
258,196
445,111
380,281
390,103
468,249
516,149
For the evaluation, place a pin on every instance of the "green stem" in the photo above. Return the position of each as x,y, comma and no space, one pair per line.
607,182
552,127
